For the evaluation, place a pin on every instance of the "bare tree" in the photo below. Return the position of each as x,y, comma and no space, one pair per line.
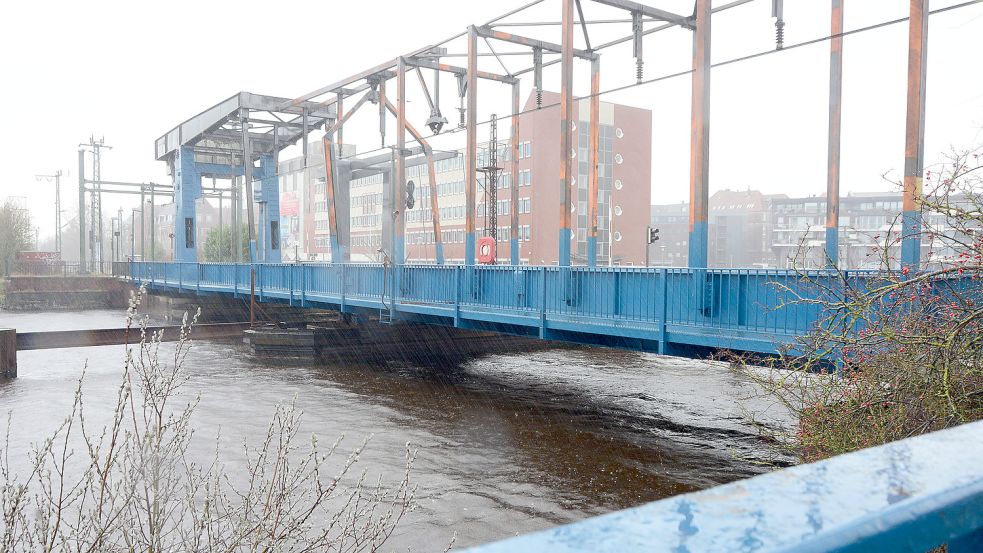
16,232
902,350
131,485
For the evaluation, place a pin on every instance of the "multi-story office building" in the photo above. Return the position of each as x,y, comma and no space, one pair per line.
624,182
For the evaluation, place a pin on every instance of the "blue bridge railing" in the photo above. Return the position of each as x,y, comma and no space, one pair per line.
650,308
913,495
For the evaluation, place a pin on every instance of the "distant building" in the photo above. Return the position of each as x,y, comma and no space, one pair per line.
624,184
738,229
739,221
751,229
163,228
671,249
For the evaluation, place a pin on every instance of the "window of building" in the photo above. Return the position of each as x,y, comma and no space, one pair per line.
525,205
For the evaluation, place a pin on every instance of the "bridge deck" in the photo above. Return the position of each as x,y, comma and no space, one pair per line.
657,309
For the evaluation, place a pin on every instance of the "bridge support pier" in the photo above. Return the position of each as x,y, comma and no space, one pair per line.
8,353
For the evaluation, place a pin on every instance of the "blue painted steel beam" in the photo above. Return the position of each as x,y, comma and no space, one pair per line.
270,197
911,495
187,191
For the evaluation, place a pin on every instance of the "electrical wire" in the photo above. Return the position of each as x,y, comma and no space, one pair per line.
714,66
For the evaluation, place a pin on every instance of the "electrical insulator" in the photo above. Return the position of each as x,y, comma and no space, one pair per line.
777,11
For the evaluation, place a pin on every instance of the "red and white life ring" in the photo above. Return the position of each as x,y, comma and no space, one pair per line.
486,249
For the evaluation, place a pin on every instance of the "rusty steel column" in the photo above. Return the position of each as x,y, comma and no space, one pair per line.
471,151
833,152
399,215
699,164
594,160
514,178
339,113
914,163
435,209
567,144
337,253
247,171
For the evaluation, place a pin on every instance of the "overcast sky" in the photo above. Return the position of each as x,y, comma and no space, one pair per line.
130,71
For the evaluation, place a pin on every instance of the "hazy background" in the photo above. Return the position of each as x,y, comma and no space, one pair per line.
130,71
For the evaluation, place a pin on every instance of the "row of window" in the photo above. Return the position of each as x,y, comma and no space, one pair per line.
366,220
503,208
366,240
366,200
455,236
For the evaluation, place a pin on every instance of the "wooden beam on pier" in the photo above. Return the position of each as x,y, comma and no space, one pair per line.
116,336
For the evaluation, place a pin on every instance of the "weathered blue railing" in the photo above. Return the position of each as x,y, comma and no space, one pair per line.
746,309
913,495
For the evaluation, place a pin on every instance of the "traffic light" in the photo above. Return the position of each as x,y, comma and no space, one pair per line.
410,201
653,234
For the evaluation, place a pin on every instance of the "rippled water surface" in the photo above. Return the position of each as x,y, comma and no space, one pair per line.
507,443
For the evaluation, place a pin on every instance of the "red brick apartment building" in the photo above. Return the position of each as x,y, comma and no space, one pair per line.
624,184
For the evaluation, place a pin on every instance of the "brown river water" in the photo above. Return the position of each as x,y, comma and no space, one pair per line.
507,443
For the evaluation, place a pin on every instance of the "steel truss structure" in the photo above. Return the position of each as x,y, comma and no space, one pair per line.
213,143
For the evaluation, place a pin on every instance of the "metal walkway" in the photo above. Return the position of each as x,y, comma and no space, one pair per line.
669,311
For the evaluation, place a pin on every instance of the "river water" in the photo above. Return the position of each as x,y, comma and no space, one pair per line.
507,443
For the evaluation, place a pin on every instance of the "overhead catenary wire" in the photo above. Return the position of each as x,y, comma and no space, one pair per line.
731,61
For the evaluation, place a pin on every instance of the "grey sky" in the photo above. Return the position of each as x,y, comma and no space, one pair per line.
130,72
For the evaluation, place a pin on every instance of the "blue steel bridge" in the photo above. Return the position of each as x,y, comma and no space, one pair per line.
675,311
913,495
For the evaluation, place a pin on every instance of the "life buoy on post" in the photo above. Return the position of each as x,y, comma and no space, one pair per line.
486,250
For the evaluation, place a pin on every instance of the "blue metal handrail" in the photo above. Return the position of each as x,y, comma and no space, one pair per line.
911,495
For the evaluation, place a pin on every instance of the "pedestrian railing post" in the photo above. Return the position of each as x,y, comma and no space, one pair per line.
303,285
457,296
663,307
260,274
542,303
344,285
291,269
